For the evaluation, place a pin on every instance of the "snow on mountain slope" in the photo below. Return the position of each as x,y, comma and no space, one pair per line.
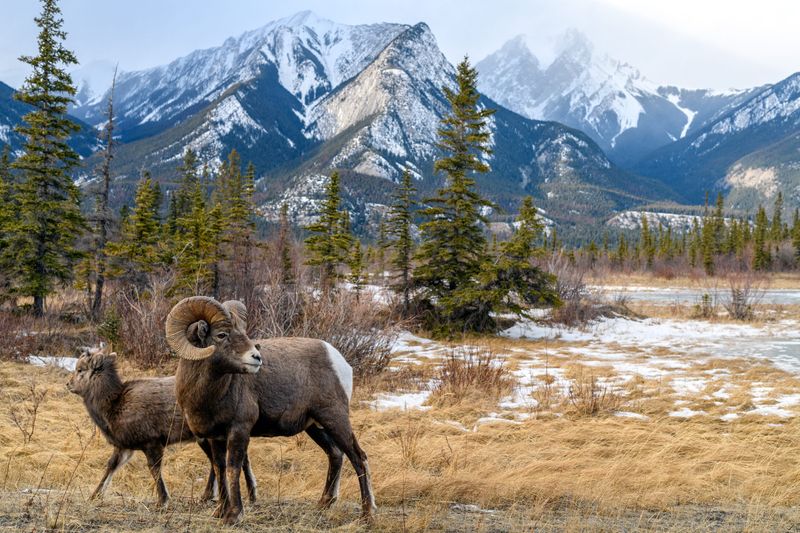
312,57
395,105
303,97
385,120
751,151
84,141
628,115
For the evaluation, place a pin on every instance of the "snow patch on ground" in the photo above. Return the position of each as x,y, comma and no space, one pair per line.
67,363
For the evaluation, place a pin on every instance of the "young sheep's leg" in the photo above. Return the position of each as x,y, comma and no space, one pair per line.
342,434
335,458
237,450
115,462
211,491
219,452
250,479
155,455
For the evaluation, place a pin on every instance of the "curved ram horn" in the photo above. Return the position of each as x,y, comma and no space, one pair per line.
187,312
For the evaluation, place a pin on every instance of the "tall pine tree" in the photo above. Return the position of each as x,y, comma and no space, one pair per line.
43,237
453,242
402,242
139,250
328,244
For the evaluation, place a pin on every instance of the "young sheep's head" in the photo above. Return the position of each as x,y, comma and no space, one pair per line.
91,364
201,328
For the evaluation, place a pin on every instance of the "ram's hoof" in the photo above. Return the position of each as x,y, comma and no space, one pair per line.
232,517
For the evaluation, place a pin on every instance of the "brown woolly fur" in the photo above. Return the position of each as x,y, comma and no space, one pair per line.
140,414
231,388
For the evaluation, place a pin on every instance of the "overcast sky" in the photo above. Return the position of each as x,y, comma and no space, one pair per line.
691,43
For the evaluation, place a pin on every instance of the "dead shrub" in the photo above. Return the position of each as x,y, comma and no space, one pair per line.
360,329
578,306
587,397
745,290
27,335
25,409
134,324
471,372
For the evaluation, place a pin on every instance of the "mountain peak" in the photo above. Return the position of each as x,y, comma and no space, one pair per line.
574,46
304,18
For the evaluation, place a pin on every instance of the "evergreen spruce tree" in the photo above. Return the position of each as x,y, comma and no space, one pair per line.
647,242
592,253
451,253
284,246
719,225
762,257
7,210
327,245
199,246
622,251
796,234
356,264
509,281
184,194
776,230
139,251
382,245
695,243
400,221
708,244
42,237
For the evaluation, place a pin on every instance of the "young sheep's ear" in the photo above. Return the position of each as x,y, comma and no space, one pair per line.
197,333
97,361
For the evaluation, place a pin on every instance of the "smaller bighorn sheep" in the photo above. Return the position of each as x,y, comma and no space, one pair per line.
140,414
231,388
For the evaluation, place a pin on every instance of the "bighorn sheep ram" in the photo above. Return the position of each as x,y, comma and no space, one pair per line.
139,414
231,388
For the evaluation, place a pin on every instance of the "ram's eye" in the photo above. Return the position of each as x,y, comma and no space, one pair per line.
222,336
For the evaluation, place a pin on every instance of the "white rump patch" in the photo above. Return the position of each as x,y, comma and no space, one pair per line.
343,370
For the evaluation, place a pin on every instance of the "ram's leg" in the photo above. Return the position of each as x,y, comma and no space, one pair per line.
250,479
155,456
237,450
339,429
335,458
115,462
219,453
211,491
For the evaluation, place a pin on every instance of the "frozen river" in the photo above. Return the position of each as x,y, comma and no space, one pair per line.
687,295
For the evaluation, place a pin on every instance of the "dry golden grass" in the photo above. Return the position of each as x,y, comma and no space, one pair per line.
559,473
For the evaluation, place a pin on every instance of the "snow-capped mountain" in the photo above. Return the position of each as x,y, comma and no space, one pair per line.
11,112
752,151
310,57
303,96
625,113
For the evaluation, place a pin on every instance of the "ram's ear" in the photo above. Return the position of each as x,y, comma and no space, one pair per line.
98,361
197,333
238,312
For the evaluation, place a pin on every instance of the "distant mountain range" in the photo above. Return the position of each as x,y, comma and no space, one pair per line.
303,96
742,142
11,112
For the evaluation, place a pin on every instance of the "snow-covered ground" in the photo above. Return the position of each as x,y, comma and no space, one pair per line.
67,363
694,361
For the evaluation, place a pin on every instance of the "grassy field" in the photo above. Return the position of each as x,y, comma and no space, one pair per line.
444,468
